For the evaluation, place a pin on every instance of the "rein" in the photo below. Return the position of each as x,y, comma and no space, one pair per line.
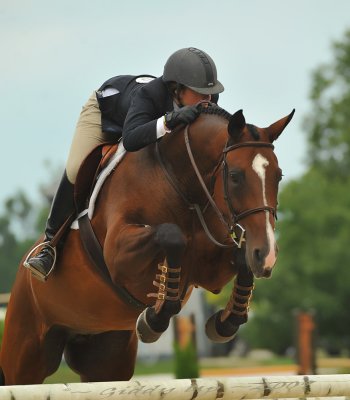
234,217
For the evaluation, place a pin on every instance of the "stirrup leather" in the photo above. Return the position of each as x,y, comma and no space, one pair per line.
33,253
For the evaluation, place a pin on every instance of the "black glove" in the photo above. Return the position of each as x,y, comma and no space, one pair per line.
185,116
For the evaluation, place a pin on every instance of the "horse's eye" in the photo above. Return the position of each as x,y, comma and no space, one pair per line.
236,177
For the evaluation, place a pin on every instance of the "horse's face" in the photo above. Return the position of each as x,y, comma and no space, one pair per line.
252,178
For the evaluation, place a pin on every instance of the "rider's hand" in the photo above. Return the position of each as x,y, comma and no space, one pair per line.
185,116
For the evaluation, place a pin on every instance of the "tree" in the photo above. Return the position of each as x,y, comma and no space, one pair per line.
313,268
328,126
19,228
313,271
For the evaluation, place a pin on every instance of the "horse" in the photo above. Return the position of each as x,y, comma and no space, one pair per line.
195,209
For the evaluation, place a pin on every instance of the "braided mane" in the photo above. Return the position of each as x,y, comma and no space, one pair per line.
214,109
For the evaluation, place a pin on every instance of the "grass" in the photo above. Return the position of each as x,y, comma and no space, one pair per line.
65,374
340,366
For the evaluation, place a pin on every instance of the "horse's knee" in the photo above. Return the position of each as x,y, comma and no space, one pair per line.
172,240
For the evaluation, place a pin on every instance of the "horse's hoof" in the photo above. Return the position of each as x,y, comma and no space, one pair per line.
214,325
144,332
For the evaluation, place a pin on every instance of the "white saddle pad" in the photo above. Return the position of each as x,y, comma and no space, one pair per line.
114,161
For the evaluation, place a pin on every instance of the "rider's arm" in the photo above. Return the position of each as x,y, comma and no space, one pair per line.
144,122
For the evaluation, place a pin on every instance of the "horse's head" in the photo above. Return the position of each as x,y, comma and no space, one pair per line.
238,176
250,184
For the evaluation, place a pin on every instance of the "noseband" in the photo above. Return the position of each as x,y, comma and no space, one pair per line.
233,225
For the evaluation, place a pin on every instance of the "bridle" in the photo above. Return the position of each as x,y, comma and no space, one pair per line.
237,217
232,225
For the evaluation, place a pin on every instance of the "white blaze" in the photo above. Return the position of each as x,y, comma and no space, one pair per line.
259,166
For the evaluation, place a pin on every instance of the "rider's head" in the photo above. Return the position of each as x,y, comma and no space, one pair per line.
191,76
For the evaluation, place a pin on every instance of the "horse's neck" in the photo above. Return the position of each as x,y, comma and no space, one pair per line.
205,141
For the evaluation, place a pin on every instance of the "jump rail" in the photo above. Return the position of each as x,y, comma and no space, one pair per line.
236,388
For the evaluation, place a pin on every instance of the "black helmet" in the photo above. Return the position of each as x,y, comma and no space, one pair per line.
193,68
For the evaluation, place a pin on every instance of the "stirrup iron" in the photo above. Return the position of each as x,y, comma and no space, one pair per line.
34,251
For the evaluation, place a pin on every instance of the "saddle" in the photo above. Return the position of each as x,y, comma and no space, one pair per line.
89,171
86,181
87,176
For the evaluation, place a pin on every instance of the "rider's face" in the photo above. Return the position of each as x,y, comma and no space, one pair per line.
189,97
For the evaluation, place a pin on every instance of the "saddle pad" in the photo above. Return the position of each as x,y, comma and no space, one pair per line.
114,161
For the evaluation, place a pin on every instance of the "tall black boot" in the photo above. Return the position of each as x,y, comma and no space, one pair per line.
62,208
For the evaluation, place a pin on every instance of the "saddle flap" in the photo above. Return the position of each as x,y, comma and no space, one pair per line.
88,172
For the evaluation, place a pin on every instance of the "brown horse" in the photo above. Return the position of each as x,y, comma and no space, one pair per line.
196,209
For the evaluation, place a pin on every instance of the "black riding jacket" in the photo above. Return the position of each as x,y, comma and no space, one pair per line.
133,112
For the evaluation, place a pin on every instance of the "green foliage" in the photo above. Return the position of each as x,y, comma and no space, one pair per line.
328,125
313,268
186,362
18,231
314,229
313,271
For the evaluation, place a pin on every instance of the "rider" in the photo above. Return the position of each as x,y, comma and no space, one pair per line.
141,109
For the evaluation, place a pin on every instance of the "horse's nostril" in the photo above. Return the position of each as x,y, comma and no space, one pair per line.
267,272
258,254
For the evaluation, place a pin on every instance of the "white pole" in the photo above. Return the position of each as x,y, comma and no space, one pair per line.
237,388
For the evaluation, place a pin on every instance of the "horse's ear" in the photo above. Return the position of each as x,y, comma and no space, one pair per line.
236,125
277,128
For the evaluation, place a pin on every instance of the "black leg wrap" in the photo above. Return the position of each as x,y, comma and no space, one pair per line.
242,291
220,331
153,321
150,325
223,326
170,238
160,322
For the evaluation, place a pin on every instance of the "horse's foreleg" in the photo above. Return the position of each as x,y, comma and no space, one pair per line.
223,325
153,321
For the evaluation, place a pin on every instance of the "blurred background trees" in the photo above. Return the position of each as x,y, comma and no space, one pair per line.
313,270
22,221
20,224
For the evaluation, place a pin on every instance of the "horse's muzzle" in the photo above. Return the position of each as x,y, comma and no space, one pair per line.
261,261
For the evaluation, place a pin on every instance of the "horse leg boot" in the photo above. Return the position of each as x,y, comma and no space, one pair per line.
42,263
153,321
223,325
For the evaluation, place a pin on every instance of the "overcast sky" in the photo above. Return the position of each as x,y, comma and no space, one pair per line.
55,53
